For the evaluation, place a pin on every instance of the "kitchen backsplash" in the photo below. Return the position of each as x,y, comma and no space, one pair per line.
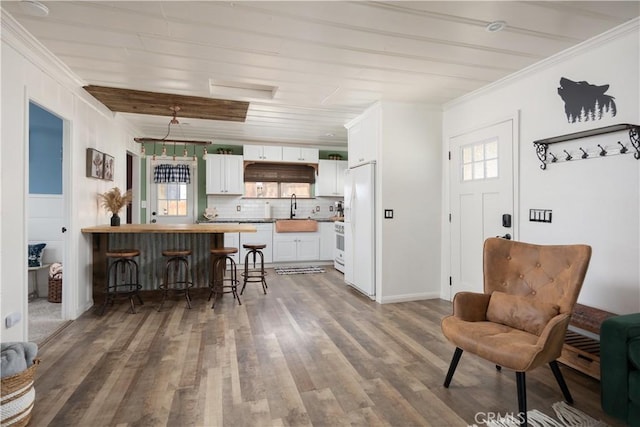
227,207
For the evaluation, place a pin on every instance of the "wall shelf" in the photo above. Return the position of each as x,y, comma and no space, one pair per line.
543,153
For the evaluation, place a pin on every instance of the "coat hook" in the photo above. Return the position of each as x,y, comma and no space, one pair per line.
569,157
603,152
624,149
584,153
553,158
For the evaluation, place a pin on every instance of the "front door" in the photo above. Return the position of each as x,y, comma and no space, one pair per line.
482,194
172,202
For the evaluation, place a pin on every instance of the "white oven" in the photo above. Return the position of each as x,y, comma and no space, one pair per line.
338,261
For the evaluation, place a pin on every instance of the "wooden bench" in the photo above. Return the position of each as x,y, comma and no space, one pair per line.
582,352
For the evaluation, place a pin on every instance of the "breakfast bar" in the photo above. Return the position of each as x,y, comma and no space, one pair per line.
151,240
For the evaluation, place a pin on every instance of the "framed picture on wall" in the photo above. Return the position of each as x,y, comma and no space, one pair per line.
108,167
95,162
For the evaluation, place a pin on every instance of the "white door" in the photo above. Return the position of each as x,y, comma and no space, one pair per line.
172,203
482,191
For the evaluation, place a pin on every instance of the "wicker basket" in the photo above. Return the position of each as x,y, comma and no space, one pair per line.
55,290
18,397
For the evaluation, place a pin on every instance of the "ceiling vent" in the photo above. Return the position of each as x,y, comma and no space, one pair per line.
229,89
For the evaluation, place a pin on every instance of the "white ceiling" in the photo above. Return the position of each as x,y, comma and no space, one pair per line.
328,60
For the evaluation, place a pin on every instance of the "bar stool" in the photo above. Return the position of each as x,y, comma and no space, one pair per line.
122,277
178,264
220,259
254,274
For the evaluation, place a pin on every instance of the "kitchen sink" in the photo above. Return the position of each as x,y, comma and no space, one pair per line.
296,225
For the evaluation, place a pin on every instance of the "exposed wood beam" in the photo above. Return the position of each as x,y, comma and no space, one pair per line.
160,104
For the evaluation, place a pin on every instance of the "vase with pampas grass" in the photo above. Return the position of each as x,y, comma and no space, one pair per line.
113,201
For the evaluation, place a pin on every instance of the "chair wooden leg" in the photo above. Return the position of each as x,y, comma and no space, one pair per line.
452,367
563,385
522,397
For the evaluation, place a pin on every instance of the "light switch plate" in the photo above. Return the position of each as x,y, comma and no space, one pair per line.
12,319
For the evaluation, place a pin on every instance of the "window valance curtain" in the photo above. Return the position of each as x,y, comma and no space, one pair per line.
279,172
171,173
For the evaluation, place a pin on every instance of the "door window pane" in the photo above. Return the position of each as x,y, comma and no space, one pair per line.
480,160
172,199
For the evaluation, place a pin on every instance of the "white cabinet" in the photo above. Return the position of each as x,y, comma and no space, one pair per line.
224,174
331,178
296,247
232,240
364,137
327,240
299,154
263,235
262,153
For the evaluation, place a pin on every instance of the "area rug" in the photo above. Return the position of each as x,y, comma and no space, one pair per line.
45,318
299,270
566,416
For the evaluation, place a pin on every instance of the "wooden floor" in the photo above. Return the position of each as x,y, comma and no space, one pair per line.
311,352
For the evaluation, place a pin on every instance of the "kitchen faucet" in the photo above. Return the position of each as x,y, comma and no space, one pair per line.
294,205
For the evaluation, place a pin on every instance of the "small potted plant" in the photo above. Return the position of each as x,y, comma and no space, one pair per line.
113,201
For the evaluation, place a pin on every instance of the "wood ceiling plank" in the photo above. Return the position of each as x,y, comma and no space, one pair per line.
159,104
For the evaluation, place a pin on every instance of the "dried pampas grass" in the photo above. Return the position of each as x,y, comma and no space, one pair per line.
113,200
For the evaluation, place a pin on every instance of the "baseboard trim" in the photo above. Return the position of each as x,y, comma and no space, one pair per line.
409,297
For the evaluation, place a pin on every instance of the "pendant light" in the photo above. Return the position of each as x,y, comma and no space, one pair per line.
185,152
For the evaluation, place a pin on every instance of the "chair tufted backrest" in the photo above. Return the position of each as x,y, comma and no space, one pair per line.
547,273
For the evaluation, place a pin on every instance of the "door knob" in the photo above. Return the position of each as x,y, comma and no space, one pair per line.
506,236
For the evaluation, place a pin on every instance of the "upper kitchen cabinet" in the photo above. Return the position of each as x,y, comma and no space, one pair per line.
330,181
262,153
224,174
299,154
364,137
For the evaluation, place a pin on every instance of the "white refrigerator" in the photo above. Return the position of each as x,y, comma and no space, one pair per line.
359,228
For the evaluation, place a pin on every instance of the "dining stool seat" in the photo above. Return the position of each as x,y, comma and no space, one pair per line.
123,279
220,282
254,274
177,268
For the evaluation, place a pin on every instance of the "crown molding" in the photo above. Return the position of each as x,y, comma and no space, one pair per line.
579,49
15,35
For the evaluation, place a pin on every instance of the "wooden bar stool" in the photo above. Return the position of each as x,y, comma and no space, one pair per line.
122,277
178,264
220,284
254,274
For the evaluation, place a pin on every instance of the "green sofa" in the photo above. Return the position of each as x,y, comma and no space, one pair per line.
620,367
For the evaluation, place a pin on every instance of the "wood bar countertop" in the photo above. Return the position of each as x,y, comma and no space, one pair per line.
171,228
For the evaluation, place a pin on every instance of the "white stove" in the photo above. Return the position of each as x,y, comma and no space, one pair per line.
338,261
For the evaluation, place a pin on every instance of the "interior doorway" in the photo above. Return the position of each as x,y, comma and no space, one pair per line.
45,222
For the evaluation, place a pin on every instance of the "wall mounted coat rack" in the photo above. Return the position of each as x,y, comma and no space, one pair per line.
546,156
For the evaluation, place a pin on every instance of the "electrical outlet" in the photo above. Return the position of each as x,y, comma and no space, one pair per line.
388,213
238,208
330,208
317,208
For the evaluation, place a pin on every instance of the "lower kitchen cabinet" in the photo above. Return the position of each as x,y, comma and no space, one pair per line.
327,240
263,235
232,240
296,247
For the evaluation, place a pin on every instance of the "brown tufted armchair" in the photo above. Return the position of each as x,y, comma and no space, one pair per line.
520,320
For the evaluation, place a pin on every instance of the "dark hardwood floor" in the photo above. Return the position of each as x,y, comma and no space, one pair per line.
310,352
